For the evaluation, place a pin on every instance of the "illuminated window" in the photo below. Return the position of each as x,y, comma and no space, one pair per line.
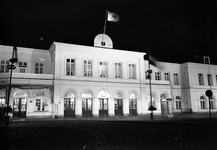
132,71
118,70
88,68
70,67
103,69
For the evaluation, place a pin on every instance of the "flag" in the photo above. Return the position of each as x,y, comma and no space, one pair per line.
113,17
153,61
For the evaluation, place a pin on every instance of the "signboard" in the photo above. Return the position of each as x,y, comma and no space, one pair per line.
11,67
209,93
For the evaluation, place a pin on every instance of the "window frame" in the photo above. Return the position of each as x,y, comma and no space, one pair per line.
3,66
39,68
209,80
176,78
22,66
71,71
166,76
87,73
131,70
118,70
105,74
200,79
157,75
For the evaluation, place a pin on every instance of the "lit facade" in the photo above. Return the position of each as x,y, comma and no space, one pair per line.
77,81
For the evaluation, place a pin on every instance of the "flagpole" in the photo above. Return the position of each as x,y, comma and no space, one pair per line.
106,15
149,76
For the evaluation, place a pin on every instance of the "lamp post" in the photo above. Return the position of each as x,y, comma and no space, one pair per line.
11,67
149,71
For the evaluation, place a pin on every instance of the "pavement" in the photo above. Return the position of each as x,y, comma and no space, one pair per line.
183,131
202,118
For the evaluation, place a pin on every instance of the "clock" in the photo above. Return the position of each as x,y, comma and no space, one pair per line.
103,40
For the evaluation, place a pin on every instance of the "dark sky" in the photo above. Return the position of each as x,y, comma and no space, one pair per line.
173,30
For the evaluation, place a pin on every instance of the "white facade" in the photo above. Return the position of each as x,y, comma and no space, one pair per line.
74,81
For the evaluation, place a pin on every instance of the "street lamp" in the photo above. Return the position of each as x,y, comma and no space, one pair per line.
10,67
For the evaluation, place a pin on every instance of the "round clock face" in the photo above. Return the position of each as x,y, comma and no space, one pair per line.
103,94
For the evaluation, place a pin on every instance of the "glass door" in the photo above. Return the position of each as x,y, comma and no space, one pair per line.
19,108
103,107
118,107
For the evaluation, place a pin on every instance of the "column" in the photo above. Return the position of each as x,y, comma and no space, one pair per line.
111,107
78,107
95,108
126,107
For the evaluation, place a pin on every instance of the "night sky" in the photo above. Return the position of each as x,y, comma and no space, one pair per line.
174,30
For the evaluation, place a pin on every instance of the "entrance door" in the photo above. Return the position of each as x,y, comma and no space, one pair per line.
103,107
133,107
69,107
118,107
87,107
19,108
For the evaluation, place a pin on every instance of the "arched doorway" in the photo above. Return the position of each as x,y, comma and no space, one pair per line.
69,104
133,104
103,103
87,100
118,101
19,104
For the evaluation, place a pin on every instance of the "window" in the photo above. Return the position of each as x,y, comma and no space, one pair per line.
202,102
167,76
118,70
22,67
157,76
206,60
211,103
3,66
88,68
200,79
70,67
178,102
132,71
176,78
209,79
103,69
39,68
40,105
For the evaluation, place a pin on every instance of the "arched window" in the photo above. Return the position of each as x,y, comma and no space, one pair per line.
20,94
87,101
178,102
202,102
69,101
40,94
132,101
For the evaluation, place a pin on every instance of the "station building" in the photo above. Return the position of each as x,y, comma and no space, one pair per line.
70,80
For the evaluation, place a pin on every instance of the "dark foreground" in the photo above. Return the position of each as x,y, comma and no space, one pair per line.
108,135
